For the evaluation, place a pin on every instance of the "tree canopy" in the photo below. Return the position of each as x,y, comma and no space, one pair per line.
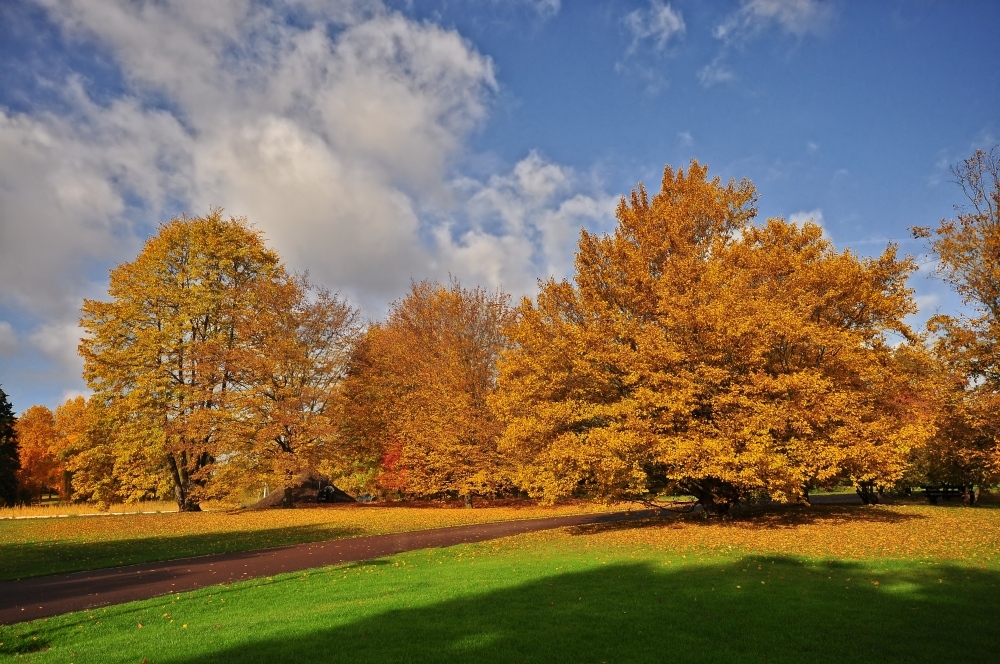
198,357
36,435
698,351
966,450
416,394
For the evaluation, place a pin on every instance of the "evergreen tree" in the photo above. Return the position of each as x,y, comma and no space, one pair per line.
9,460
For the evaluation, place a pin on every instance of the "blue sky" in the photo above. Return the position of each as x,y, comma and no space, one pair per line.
375,142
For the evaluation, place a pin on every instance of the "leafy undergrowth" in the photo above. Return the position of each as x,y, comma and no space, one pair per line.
789,590
36,547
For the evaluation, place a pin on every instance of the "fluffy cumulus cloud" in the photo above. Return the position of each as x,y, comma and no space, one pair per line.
517,226
658,23
334,127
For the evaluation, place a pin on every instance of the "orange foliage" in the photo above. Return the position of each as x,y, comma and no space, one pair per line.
966,450
416,392
40,466
698,351
212,365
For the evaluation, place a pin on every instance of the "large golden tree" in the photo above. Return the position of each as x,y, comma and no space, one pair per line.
201,356
699,352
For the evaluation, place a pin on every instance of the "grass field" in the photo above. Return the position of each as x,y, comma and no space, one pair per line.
36,547
830,584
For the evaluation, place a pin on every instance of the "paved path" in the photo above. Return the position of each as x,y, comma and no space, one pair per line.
39,597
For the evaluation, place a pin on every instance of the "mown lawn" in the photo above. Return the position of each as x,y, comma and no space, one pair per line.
36,547
831,584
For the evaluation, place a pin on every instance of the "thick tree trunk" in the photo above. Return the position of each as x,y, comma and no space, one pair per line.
715,496
181,486
868,493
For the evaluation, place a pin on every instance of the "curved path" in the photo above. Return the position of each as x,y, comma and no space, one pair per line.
40,597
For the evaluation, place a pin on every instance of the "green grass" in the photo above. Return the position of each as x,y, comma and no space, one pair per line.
578,595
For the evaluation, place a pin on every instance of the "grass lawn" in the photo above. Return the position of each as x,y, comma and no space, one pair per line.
829,584
36,547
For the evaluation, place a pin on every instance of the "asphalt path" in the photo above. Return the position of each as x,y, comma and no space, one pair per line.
41,597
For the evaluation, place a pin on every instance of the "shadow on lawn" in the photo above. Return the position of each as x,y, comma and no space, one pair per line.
759,517
40,559
814,612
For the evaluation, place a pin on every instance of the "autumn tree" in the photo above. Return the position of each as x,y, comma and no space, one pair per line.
417,389
180,358
94,467
966,450
9,460
36,435
74,432
698,352
309,333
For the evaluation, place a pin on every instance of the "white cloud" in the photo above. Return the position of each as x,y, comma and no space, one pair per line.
8,339
518,226
812,147
545,8
715,73
813,216
58,342
795,17
659,24
685,139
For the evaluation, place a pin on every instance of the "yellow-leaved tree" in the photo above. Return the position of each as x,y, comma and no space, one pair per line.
966,449
191,357
416,394
697,352
309,334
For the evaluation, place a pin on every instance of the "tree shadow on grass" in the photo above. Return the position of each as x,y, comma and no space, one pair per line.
765,609
41,559
769,517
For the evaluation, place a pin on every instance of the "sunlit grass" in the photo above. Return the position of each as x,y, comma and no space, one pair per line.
780,587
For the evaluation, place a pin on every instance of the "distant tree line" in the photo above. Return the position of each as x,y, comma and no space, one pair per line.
694,351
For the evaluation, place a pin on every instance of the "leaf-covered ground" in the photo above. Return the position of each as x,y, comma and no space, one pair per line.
911,532
35,547
832,584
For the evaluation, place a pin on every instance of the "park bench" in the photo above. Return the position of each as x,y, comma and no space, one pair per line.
946,491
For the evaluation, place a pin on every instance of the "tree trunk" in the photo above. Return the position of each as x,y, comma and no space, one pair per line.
715,496
868,493
181,487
